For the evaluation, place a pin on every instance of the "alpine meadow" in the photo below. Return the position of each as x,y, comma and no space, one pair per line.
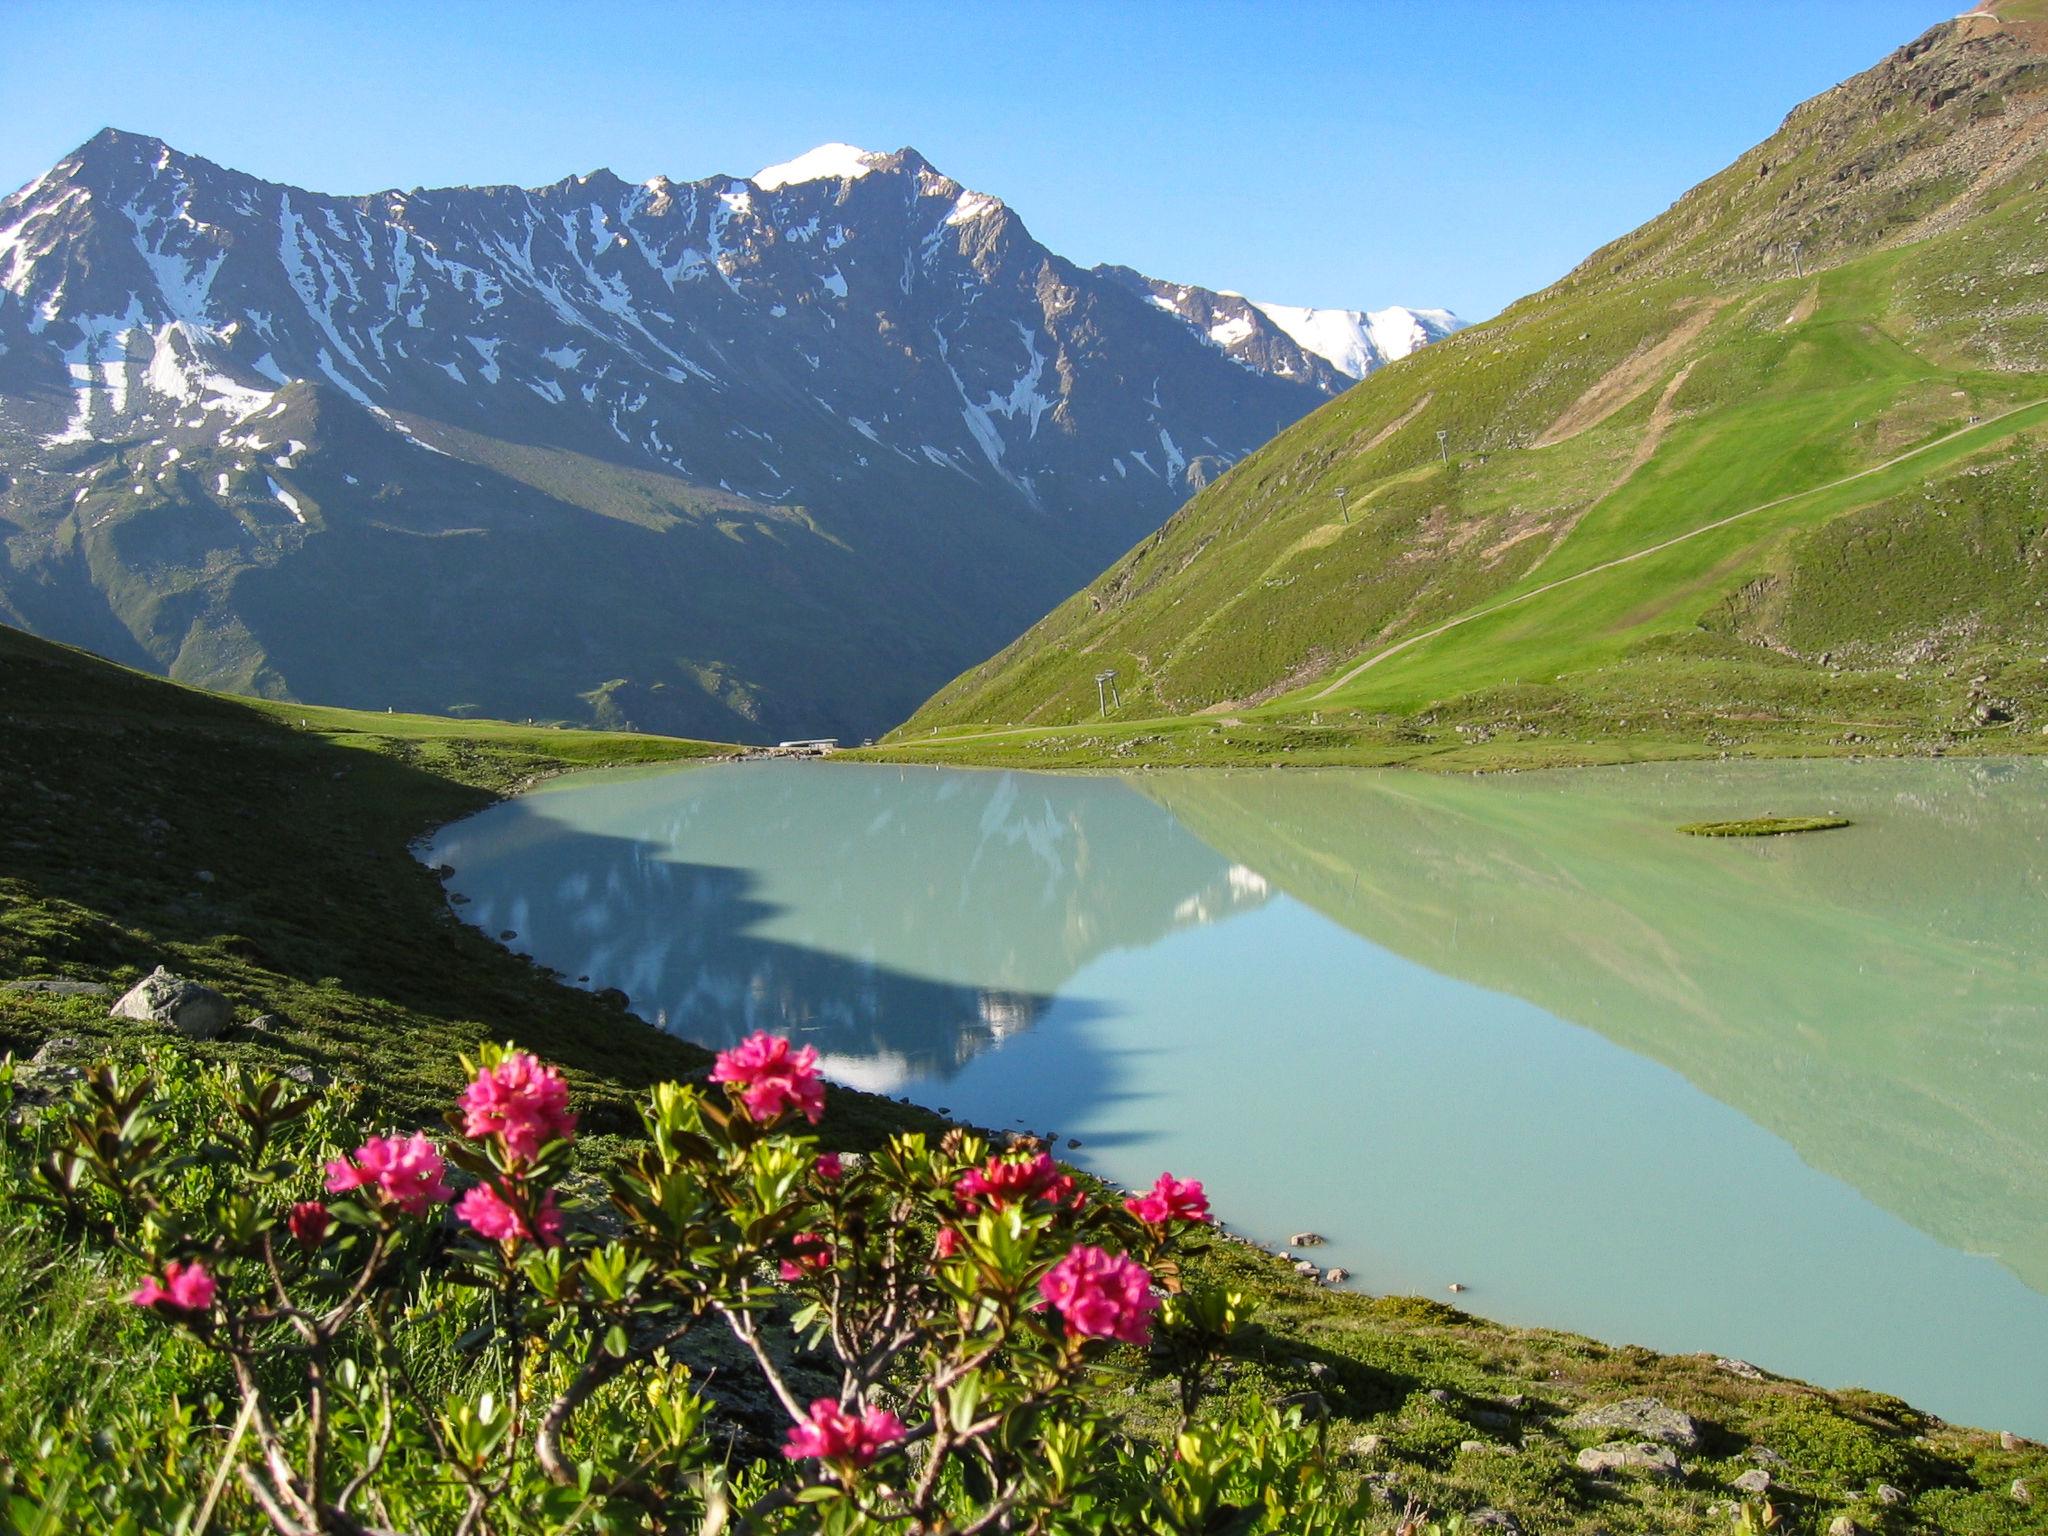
1461,953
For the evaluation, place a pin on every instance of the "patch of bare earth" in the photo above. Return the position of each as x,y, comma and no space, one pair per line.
1627,379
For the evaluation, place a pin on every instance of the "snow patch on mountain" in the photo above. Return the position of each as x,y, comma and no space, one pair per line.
828,162
1356,341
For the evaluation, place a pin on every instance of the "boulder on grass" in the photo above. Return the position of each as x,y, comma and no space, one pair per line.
194,1011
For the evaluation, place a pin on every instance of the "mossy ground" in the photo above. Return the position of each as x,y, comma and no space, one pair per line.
1764,826
117,791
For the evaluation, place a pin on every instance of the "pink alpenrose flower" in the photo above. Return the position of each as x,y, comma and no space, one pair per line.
813,1254
1101,1295
1168,1200
492,1217
830,1168
772,1078
842,1438
185,1288
520,1101
405,1171
1003,1181
308,1223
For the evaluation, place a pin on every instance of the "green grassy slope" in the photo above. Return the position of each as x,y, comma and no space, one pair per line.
118,789
1822,473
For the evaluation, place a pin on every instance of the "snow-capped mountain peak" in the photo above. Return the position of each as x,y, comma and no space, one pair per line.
828,162
1356,341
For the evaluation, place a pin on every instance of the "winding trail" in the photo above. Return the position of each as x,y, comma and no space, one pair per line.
1982,427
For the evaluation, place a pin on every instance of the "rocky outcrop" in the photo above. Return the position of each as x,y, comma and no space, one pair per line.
197,1012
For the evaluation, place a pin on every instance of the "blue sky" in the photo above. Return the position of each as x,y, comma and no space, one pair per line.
1452,153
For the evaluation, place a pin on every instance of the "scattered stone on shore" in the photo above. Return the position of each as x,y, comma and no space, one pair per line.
1337,1276
1740,1368
1307,1240
59,987
194,1011
1623,1456
1755,1480
458,900
508,936
2008,1441
1456,1287
1645,1418
1073,1142
1308,1268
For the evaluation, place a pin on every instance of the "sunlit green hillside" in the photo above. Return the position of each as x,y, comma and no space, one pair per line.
1779,457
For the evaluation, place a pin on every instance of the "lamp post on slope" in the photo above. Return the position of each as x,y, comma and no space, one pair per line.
1105,691
1342,510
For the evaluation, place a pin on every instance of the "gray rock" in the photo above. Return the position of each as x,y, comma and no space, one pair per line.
59,987
309,1076
1887,1494
1312,1404
1471,1447
194,1011
1755,1480
1842,1525
1337,1276
1623,1456
1308,1268
1490,1418
2021,1493
59,1050
1307,1240
1740,1368
2008,1441
1646,1418
1493,1520
1368,1445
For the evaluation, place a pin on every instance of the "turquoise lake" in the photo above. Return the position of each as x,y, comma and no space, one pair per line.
1784,1100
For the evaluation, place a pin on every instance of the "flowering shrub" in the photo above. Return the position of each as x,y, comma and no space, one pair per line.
931,1324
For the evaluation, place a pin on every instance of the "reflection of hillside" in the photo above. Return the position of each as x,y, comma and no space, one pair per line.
900,919
1877,997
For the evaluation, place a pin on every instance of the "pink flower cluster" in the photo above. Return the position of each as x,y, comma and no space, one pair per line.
1101,1295
772,1078
813,1253
1169,1200
491,1216
403,1171
845,1439
521,1102
1004,1181
185,1288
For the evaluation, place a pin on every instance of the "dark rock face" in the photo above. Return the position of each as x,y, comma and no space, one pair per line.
737,457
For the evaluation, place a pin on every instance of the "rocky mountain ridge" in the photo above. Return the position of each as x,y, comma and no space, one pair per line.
216,392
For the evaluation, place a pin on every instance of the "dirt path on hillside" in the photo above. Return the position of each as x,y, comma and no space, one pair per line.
1607,565
1628,378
